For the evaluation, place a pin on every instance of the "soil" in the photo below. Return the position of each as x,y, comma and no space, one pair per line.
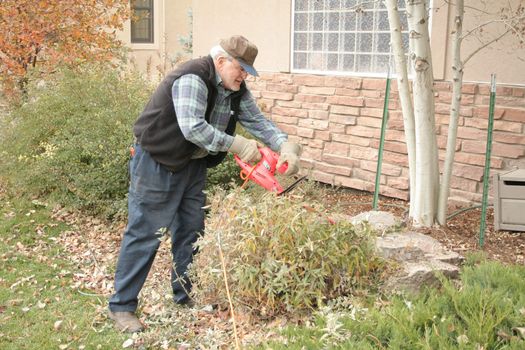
461,233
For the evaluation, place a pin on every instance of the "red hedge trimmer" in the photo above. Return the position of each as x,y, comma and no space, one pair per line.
263,172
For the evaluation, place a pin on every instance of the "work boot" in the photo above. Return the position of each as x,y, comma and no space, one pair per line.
189,303
126,321
185,301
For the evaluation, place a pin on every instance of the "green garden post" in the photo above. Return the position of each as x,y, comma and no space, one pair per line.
487,160
381,142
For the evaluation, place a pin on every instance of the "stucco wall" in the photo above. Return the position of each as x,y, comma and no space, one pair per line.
171,20
504,58
268,24
265,23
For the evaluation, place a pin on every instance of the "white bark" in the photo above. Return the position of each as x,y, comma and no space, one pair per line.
404,91
457,76
425,205
427,171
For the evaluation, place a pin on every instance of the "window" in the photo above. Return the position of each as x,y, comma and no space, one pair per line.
343,36
142,21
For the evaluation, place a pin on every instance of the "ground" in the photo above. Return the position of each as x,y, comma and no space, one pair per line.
461,234
92,245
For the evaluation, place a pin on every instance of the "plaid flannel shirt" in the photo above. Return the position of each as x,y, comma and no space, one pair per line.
190,94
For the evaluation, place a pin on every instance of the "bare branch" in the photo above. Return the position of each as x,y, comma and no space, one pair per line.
471,8
481,26
484,46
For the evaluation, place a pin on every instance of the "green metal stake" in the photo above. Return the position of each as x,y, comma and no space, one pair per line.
381,142
487,160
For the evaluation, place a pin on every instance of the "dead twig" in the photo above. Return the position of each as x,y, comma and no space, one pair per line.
237,346
377,341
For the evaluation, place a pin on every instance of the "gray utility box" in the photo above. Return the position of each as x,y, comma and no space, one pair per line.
509,201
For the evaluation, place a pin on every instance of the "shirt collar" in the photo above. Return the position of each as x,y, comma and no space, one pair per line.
218,81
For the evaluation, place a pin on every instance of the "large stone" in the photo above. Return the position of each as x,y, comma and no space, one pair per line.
379,221
416,246
413,275
420,258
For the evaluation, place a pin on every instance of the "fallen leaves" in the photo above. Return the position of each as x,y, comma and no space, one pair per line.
21,281
461,234
128,343
93,245
57,325
9,215
520,331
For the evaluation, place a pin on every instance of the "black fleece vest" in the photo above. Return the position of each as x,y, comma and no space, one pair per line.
157,129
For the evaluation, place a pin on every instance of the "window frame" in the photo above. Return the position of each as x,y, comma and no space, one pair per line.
151,21
323,52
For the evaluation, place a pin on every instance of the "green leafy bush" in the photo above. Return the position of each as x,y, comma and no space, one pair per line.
225,175
71,140
280,256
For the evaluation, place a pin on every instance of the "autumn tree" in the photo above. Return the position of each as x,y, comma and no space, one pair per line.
45,34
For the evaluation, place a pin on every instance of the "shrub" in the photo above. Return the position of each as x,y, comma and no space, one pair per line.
279,257
225,175
487,311
71,141
481,314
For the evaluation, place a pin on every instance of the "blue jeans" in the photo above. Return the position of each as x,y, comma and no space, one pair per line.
159,201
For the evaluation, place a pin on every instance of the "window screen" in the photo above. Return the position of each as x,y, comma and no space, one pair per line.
142,21
343,36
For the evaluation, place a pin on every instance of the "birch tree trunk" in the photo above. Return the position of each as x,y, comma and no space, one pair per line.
427,171
457,76
404,91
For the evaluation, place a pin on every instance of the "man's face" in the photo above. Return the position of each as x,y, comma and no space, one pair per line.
231,73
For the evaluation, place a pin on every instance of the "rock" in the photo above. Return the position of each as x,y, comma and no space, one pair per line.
414,275
419,257
408,246
379,221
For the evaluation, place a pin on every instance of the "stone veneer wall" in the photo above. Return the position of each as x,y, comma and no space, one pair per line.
338,121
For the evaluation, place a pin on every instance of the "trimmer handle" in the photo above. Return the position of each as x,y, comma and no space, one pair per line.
269,160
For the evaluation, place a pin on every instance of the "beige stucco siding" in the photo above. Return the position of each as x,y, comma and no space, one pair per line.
504,58
171,20
266,23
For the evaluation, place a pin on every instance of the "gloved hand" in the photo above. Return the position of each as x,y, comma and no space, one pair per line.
290,154
246,149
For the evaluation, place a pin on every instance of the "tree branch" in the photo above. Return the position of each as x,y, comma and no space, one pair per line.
481,26
484,46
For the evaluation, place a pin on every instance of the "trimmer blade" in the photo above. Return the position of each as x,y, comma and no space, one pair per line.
293,185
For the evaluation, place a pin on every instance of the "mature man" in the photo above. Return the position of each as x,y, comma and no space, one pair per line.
187,126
